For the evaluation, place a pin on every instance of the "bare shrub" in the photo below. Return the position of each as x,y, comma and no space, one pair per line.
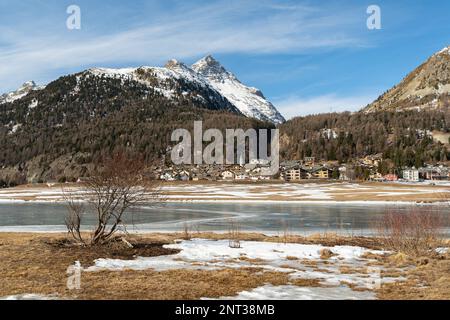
186,234
74,217
116,185
234,233
286,235
415,233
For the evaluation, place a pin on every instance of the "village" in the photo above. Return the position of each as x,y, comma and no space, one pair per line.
370,168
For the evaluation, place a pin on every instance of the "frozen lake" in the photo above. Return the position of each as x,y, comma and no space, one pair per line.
256,217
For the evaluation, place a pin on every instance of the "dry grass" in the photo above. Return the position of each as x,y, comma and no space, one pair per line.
424,282
291,258
352,270
175,284
399,260
353,286
32,263
307,282
252,261
326,254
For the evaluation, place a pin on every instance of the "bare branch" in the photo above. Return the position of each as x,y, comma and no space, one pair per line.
116,185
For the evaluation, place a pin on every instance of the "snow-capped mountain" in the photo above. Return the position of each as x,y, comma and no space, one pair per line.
26,88
175,81
206,82
250,101
206,73
426,88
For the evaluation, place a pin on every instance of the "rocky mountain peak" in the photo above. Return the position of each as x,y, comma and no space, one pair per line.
21,92
445,51
250,101
425,88
175,65
210,67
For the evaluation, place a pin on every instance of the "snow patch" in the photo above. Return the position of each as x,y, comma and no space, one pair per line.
446,50
24,90
270,292
201,254
29,296
15,128
34,103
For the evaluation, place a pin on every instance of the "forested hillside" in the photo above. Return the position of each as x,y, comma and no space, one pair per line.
60,130
406,137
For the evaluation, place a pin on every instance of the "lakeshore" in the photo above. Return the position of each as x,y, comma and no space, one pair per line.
315,192
166,266
200,264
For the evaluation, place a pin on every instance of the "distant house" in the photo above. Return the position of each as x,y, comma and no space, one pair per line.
411,175
309,161
261,162
373,160
258,177
321,173
391,177
241,176
295,174
289,164
227,175
346,173
183,175
376,176
434,173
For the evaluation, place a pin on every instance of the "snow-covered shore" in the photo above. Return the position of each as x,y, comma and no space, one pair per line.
336,275
310,193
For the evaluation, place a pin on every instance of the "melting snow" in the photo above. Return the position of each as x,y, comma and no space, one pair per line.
28,296
15,128
270,292
33,104
201,254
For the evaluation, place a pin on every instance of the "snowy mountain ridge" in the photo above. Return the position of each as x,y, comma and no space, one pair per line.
21,92
207,74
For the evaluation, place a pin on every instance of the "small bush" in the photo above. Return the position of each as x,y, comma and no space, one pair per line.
186,234
234,235
415,233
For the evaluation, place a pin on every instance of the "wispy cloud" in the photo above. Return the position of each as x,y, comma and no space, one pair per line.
221,27
296,106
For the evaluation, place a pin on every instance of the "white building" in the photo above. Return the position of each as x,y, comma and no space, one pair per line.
227,175
242,176
411,175
261,162
168,176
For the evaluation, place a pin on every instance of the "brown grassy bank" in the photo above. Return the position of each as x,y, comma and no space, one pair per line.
37,263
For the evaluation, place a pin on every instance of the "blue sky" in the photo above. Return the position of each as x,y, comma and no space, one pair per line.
306,56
